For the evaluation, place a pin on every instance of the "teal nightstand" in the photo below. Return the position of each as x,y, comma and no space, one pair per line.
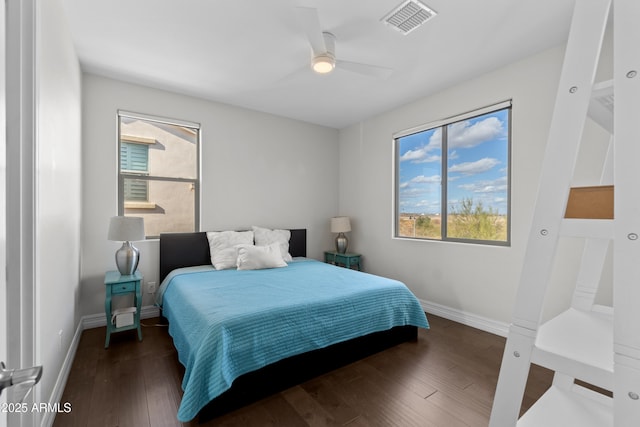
344,260
117,284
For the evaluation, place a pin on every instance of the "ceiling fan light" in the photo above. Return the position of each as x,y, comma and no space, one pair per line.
323,64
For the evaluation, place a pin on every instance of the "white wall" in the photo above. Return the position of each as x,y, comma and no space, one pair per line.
58,200
257,169
474,279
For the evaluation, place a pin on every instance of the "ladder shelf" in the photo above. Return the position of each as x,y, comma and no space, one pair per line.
596,345
576,407
578,343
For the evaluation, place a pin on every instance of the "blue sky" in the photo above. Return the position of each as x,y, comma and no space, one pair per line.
477,165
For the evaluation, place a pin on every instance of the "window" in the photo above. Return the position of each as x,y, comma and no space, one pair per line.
158,172
452,178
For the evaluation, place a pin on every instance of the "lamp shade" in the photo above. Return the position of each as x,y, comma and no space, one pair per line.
340,224
126,228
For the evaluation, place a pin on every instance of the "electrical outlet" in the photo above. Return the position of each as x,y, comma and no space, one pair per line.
151,287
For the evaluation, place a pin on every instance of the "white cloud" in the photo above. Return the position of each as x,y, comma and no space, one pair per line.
421,179
465,135
415,193
420,155
493,186
461,135
472,168
414,154
436,139
423,203
407,190
423,154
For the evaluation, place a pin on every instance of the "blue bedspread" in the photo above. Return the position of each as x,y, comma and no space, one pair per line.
227,323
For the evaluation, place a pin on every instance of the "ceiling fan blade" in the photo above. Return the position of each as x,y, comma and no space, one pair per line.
308,18
366,69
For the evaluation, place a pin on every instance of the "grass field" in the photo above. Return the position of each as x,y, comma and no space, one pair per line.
475,227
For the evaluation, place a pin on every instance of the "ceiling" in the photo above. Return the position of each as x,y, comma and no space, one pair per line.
255,53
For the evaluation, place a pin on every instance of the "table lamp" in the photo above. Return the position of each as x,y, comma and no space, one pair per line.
126,229
340,225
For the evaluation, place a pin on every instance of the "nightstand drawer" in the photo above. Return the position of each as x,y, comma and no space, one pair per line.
348,260
121,288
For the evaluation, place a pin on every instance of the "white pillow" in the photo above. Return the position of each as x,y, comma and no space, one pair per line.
258,257
265,237
222,245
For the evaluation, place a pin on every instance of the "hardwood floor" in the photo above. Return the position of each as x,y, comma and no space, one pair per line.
445,379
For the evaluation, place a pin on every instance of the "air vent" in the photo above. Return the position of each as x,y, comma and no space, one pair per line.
601,104
408,16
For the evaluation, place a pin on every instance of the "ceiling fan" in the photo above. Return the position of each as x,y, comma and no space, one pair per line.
323,48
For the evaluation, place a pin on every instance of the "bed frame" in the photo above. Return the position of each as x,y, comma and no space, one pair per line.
191,249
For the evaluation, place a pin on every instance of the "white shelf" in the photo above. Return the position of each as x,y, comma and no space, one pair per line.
578,343
601,105
576,408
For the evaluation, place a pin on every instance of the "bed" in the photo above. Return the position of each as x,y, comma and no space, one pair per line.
242,334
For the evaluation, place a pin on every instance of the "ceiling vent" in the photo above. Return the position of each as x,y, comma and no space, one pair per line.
408,16
601,104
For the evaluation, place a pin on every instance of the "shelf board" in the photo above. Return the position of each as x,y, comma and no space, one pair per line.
561,408
578,343
592,202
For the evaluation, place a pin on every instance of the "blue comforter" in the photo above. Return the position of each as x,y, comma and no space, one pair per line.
229,322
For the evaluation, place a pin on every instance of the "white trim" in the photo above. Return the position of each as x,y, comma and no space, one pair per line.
22,305
3,208
158,119
61,382
469,319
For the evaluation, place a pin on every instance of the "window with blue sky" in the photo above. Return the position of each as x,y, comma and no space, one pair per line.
452,179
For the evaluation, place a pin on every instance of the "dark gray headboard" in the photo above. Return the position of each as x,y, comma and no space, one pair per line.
191,249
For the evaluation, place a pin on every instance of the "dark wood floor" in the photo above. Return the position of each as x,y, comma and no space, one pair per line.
445,379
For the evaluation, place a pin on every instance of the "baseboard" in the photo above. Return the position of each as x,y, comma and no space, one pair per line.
61,382
473,320
98,320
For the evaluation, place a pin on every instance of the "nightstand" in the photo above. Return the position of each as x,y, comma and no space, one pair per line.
116,285
347,260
